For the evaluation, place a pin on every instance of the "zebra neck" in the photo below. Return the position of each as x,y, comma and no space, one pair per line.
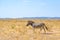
31,24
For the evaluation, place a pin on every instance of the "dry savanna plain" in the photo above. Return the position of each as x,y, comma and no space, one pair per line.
16,29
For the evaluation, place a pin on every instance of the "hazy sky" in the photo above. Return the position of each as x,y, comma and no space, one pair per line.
29,8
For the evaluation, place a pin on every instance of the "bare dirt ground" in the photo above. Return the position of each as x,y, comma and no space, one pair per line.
17,30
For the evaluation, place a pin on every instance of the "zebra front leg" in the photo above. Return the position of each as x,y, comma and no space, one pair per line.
44,29
34,30
40,28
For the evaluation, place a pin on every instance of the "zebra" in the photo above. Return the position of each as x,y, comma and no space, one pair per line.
37,25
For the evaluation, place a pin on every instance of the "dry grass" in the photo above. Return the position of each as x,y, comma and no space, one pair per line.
17,30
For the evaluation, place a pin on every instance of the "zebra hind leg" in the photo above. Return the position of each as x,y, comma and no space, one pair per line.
46,27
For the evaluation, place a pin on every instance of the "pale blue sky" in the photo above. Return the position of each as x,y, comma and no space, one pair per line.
29,8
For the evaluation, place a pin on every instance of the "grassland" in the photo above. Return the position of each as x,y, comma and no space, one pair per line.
17,30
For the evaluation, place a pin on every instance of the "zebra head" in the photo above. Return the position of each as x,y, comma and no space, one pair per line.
29,23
